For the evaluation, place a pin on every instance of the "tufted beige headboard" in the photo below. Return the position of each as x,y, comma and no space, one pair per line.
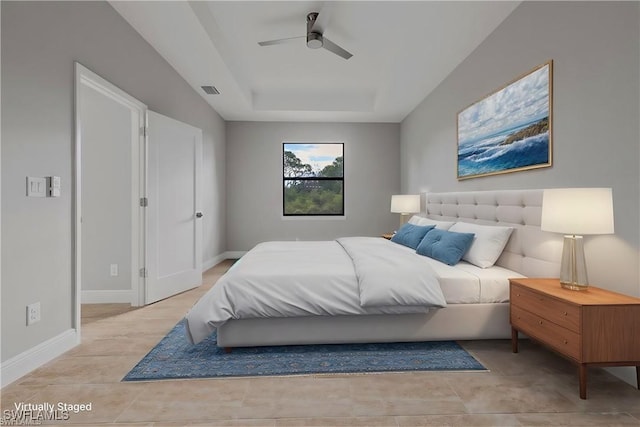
530,251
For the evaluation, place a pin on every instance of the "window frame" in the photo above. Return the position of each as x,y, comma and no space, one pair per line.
312,178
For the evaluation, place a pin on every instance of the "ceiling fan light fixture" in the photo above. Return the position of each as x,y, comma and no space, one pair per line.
315,38
314,41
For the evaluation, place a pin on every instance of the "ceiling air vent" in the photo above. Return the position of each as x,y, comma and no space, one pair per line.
210,90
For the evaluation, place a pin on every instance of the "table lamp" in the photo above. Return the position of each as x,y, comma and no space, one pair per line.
405,204
576,212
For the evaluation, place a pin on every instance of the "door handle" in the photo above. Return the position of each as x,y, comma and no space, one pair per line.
199,214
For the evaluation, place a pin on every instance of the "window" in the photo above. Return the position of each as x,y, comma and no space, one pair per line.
313,179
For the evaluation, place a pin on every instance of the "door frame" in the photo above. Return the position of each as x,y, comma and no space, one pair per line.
86,77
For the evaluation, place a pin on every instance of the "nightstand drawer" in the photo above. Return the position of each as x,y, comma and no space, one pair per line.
594,327
559,312
565,341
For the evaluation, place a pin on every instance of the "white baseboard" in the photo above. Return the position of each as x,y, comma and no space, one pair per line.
22,364
625,373
235,254
225,255
213,261
106,297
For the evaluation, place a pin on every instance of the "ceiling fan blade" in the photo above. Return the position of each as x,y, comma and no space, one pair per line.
324,16
332,47
279,41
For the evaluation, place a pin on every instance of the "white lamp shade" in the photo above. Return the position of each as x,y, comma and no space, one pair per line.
577,211
405,203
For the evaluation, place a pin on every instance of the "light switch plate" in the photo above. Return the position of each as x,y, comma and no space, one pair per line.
36,187
54,186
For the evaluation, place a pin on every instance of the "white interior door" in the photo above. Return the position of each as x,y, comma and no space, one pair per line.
173,216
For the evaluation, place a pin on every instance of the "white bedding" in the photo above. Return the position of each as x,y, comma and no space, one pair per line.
387,276
296,279
466,283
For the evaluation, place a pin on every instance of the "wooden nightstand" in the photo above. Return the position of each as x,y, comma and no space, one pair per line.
594,327
387,236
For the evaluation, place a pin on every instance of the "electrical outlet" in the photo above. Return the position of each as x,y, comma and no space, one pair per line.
33,313
114,269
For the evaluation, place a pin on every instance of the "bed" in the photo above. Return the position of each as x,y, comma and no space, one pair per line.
475,302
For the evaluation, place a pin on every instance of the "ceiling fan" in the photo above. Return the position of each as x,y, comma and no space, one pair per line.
315,39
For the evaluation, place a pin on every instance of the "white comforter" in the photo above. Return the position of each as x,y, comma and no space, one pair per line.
353,275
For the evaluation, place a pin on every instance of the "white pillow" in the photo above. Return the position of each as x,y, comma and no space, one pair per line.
422,221
488,243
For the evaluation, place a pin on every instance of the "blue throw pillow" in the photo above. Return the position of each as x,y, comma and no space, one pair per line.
445,246
411,235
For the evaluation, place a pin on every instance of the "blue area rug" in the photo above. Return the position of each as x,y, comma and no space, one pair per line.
174,357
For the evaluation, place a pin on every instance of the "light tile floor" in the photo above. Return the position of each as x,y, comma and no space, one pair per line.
94,312
533,388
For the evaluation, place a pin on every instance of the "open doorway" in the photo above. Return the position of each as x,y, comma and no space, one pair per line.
109,226
137,201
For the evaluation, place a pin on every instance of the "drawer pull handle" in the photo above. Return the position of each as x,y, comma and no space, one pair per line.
517,295
540,321
566,342
565,313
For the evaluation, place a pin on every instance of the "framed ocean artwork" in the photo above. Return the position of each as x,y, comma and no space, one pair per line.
510,130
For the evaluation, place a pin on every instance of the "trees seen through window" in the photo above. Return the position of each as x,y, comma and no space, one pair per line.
313,179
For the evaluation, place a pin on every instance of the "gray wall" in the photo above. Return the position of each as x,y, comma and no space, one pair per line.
595,48
254,177
40,42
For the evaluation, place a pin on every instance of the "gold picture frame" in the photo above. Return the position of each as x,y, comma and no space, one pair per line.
509,130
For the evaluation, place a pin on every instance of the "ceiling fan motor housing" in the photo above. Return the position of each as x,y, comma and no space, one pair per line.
314,39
